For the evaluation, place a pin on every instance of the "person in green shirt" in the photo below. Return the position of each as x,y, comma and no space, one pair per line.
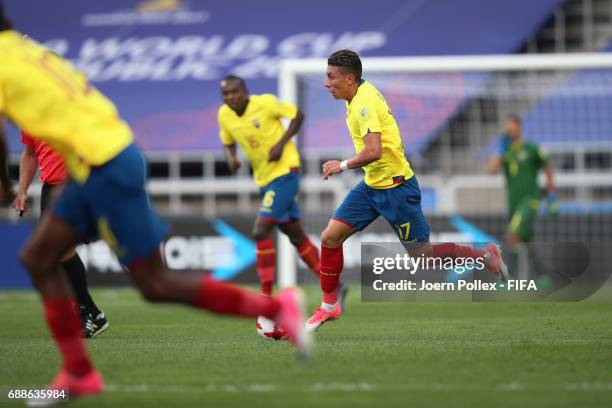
521,162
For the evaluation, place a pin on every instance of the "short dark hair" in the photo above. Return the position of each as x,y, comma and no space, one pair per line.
347,60
237,79
515,118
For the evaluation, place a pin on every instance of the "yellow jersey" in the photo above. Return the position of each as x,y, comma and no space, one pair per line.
46,97
368,112
257,130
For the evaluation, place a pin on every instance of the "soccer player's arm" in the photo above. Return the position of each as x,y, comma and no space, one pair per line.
7,186
370,128
497,160
495,164
546,166
544,163
288,111
229,146
27,170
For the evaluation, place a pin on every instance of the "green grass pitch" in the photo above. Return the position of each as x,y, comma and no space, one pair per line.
378,354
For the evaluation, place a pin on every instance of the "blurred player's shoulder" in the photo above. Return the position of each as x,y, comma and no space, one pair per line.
10,36
531,145
26,54
263,99
537,150
365,101
13,42
255,102
368,91
223,111
9,41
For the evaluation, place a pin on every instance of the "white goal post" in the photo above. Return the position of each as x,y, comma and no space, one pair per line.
291,71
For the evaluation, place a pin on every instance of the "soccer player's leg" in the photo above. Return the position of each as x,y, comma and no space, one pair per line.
307,251
266,253
404,213
354,214
266,271
521,225
126,221
276,199
59,230
93,320
277,208
519,235
288,216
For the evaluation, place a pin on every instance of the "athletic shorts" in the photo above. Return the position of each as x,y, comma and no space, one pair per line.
113,205
400,206
522,220
279,199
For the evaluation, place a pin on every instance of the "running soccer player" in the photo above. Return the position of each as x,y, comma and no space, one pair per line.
521,162
52,176
105,196
254,122
389,187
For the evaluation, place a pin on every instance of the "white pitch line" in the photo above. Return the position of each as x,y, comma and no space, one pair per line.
336,387
349,387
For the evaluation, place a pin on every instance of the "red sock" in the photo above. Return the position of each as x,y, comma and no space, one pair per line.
310,255
65,327
332,262
450,250
225,298
266,265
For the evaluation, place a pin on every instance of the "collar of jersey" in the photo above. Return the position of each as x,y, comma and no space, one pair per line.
245,109
517,144
361,82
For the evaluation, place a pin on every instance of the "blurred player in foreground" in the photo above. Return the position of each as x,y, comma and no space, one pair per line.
521,163
53,175
254,122
389,187
46,97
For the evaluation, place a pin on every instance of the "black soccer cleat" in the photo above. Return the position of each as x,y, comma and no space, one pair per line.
92,326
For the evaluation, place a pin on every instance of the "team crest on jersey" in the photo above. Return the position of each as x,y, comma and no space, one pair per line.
364,112
522,155
256,123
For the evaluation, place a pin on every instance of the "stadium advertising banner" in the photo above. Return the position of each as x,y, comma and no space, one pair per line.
219,246
161,61
223,247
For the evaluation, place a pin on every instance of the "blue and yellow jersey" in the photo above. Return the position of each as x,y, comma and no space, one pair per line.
368,112
45,96
257,130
